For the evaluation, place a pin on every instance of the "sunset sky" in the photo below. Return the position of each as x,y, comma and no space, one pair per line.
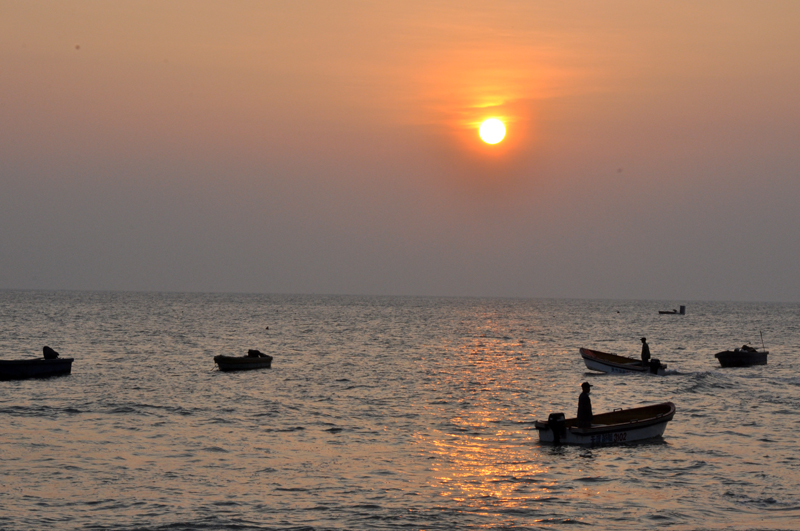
652,149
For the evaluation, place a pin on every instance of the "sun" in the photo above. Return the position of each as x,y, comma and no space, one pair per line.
492,131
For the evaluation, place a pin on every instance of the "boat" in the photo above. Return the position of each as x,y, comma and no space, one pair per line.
673,312
49,365
615,427
253,360
34,368
742,357
611,363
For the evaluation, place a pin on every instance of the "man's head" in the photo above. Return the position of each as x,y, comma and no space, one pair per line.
586,386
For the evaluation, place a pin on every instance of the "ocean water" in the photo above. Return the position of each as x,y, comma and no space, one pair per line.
388,413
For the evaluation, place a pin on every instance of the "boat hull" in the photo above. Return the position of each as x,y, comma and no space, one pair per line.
35,368
613,364
616,427
739,358
242,363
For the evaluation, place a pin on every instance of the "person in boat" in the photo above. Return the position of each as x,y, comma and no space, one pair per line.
747,348
49,353
252,353
585,406
645,352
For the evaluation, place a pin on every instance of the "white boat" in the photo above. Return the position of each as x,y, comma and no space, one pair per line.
611,363
616,427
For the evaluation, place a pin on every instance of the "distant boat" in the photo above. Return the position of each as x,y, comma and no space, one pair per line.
742,357
615,427
673,312
611,363
253,360
35,368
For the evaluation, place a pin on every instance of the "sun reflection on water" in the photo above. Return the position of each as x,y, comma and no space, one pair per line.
477,471
485,455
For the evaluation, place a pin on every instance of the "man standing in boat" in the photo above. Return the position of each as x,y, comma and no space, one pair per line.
585,406
645,352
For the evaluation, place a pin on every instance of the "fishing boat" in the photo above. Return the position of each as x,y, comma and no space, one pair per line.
673,312
616,427
611,363
742,357
253,360
34,368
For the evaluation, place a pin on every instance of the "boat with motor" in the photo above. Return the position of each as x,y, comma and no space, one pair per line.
615,427
612,363
253,360
673,312
49,365
745,356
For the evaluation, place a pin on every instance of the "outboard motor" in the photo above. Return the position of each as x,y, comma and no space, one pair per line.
655,364
558,425
49,354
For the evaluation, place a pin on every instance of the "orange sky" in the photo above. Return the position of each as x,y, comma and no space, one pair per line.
176,146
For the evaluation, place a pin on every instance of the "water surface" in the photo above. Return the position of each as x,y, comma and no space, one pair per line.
388,413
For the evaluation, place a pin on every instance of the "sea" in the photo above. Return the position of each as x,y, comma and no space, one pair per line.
389,413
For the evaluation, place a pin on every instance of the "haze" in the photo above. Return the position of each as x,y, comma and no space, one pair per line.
332,147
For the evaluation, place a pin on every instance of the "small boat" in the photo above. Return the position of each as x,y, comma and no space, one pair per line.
34,368
616,427
742,357
605,362
49,365
673,312
253,360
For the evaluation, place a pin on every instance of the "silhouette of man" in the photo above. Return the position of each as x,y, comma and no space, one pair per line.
585,406
645,352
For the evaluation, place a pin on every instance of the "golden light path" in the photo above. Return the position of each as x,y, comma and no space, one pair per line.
492,131
481,459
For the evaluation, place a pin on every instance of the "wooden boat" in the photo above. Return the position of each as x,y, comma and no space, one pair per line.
742,357
611,363
253,360
616,427
34,368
